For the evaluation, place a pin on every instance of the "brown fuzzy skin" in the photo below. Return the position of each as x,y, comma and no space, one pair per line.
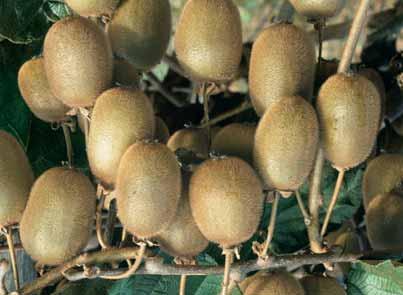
382,175
140,31
93,7
192,139
286,142
316,285
58,220
125,74
282,64
315,9
78,61
208,40
183,238
226,198
16,179
235,140
121,116
35,90
161,130
384,218
148,189
278,283
349,108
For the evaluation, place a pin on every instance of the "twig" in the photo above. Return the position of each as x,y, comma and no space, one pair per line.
158,87
182,285
301,205
8,232
173,64
69,147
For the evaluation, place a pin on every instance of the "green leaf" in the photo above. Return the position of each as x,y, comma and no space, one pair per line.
161,71
213,285
86,287
55,10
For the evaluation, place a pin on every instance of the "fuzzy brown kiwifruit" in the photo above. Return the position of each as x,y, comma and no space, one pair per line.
125,74
282,64
226,200
208,40
383,174
316,9
235,140
58,220
78,61
161,130
318,285
349,108
148,189
384,218
192,139
121,116
16,179
140,31
279,283
183,238
93,7
35,90
286,142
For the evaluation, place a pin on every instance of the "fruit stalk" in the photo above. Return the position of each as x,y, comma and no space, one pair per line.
229,258
69,146
272,225
8,232
182,285
101,202
304,212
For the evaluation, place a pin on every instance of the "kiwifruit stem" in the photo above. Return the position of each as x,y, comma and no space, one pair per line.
182,285
205,98
8,232
98,221
319,27
272,225
69,146
301,205
229,258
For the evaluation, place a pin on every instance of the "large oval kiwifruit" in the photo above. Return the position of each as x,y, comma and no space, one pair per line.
148,189
121,116
349,108
286,142
318,285
93,7
192,139
226,198
208,40
235,140
161,130
35,90
316,9
279,283
78,61
16,179
183,238
140,31
125,74
384,218
282,64
58,220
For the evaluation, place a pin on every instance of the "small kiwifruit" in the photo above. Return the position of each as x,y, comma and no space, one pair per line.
349,108
148,189
279,283
318,285
161,130
140,31
282,64
16,179
125,74
93,7
121,116
316,9
383,174
384,217
226,198
35,90
286,142
208,40
192,139
57,223
78,61
235,140
183,238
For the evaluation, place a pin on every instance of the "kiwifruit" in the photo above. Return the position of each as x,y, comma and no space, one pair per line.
286,142
315,9
148,189
226,200
35,90
279,283
192,139
183,238
16,179
208,40
57,223
319,285
349,108
244,284
78,61
282,64
140,31
383,174
125,74
121,116
93,7
161,130
235,140
384,217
